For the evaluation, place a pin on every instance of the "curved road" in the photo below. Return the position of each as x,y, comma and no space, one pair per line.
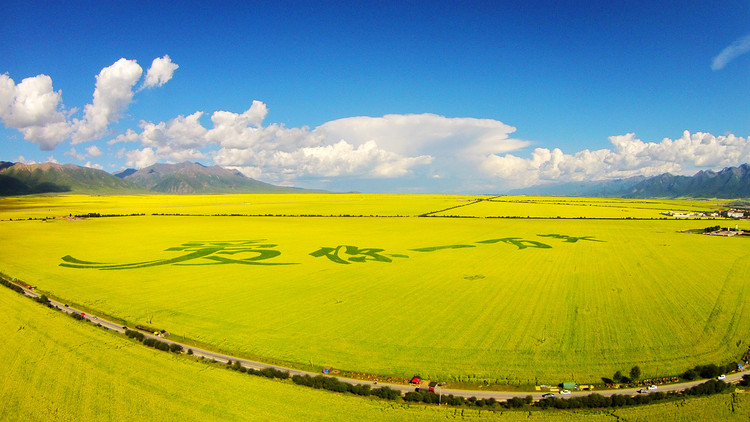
479,394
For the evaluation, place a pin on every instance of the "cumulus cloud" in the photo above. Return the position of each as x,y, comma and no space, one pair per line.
234,130
112,96
89,164
248,171
35,109
129,136
176,140
182,132
160,72
93,151
371,147
629,157
22,159
140,158
339,159
731,52
73,153
410,134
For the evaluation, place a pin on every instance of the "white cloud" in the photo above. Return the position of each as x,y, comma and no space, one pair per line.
35,109
233,130
177,140
73,153
33,102
180,155
248,171
629,157
93,151
465,153
112,96
140,158
339,159
371,147
89,164
129,136
731,52
410,134
22,159
144,157
52,160
180,132
160,72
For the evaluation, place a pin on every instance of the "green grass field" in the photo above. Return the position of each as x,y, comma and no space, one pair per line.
507,301
56,368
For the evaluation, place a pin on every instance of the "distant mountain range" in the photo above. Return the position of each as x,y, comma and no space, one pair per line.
194,178
22,179
731,182
183,178
190,178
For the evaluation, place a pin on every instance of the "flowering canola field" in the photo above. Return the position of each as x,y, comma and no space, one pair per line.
507,301
57,368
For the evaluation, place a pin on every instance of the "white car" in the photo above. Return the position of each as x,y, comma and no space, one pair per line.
721,377
566,392
652,387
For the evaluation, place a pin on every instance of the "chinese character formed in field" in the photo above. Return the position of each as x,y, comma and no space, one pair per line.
438,248
345,254
570,239
520,243
209,253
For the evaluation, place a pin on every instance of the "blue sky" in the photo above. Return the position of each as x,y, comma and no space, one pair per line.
381,96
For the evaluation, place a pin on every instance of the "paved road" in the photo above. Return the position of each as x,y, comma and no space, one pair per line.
479,394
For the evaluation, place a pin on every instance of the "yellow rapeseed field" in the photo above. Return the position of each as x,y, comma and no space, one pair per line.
504,301
56,368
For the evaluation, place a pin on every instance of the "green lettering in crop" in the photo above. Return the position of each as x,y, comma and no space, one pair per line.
520,243
345,254
206,253
437,248
571,239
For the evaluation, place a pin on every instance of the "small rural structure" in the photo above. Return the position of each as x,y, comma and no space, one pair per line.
683,214
569,385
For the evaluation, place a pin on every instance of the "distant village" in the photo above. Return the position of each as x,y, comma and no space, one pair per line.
733,213
737,214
